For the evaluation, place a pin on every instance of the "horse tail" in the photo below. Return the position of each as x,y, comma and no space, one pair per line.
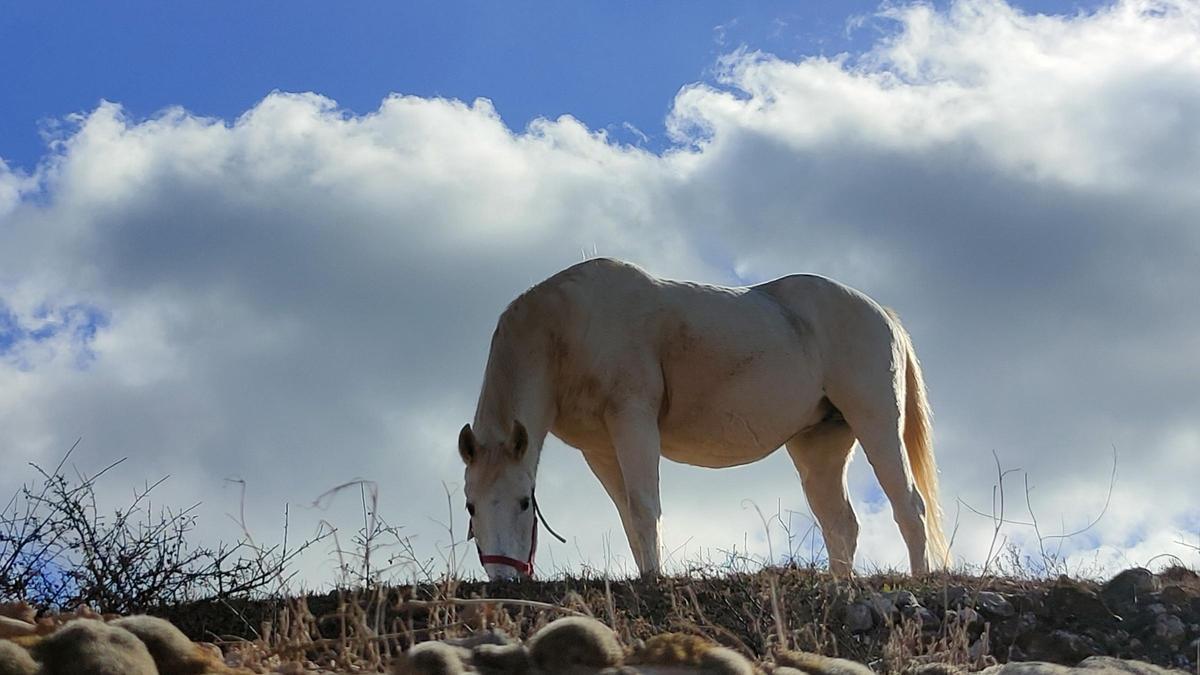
918,440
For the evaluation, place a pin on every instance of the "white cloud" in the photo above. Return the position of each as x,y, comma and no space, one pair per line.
303,295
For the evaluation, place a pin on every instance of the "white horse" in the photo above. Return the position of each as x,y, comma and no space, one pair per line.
629,368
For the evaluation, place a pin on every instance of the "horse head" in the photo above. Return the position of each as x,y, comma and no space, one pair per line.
500,502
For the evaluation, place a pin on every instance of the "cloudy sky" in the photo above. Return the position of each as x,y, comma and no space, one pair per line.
272,247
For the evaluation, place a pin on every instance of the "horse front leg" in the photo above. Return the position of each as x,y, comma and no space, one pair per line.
604,465
633,430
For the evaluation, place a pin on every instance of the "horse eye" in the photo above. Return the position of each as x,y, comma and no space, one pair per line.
470,508
524,503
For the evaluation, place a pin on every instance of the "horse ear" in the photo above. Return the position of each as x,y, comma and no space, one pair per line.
466,444
520,440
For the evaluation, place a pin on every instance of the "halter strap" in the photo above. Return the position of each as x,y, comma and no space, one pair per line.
538,510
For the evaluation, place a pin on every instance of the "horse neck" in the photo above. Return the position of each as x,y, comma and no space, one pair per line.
516,387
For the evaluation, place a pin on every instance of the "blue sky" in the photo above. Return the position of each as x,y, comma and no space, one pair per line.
606,63
267,280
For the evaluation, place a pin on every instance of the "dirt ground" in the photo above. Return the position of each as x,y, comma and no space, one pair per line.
885,621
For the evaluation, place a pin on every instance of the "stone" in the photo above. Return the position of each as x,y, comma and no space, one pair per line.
491,636
994,605
964,617
1027,622
807,662
1129,586
1062,646
923,616
1095,665
1174,595
430,658
1169,628
859,618
957,596
171,650
14,660
902,599
22,611
1027,668
884,608
977,650
1073,601
10,628
94,647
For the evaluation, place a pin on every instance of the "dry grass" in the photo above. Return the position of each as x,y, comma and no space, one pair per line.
756,615
741,603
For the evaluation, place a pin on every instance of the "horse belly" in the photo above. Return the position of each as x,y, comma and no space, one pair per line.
740,418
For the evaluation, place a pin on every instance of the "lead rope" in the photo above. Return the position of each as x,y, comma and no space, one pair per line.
538,510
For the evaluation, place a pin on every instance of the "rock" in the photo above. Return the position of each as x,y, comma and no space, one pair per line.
724,661
994,605
977,650
1169,628
430,658
21,611
1063,646
815,664
14,660
1157,608
1076,647
172,651
572,643
964,617
1027,668
1129,587
1076,602
1175,596
680,653
902,599
491,636
1109,665
956,597
884,608
490,658
10,628
923,616
94,647
1093,665
935,669
859,618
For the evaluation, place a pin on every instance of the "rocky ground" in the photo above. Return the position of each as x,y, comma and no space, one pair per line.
890,623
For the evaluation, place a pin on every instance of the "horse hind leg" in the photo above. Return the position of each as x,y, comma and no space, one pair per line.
821,455
878,428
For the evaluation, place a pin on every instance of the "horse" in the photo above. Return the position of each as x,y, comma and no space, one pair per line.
629,368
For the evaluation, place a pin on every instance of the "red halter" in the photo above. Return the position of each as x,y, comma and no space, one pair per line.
523,567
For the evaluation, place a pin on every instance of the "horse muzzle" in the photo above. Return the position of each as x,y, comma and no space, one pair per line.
523,568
